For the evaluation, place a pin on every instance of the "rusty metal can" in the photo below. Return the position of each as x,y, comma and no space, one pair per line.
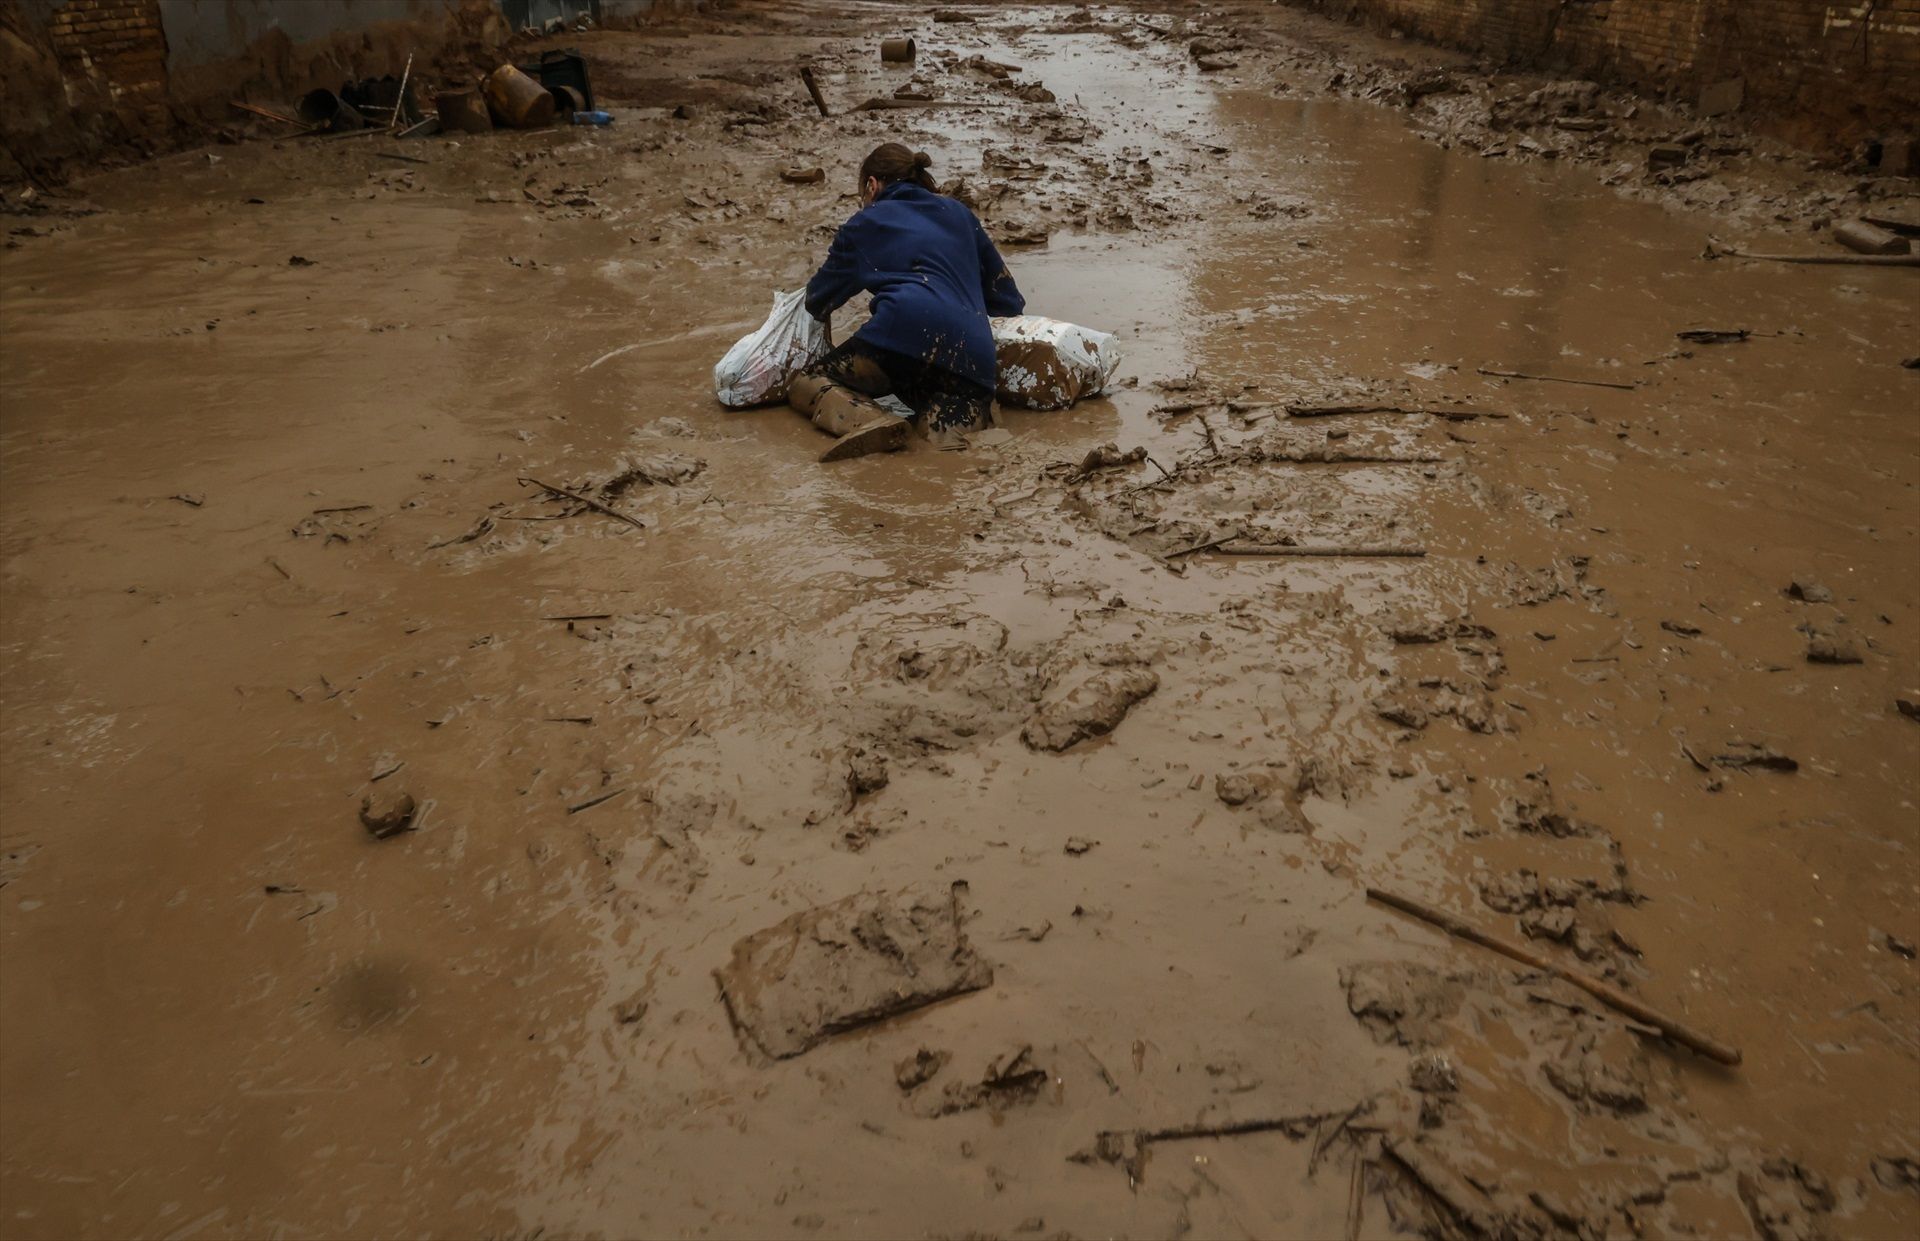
897,50
518,100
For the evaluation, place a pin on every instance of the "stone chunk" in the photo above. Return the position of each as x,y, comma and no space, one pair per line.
1093,708
836,967
1665,155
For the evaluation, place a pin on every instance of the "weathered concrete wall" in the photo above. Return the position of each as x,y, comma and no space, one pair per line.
84,79
81,80
1816,70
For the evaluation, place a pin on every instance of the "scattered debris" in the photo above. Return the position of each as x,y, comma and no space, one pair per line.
387,812
1278,549
919,1068
1745,755
1009,1080
1672,1029
1807,590
1556,379
588,501
1468,1204
836,967
1827,648
1128,1147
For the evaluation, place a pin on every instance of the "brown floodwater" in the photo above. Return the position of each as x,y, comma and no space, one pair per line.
227,1011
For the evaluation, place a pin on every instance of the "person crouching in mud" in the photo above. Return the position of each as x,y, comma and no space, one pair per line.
935,277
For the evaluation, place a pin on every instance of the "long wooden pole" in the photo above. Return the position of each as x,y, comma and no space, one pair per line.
813,88
1276,549
1707,1046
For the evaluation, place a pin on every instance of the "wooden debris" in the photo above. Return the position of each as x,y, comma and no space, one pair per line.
273,116
1472,1207
1618,1000
1715,250
813,89
1555,379
1128,1147
478,530
1434,411
590,502
591,802
1210,544
1276,549
400,103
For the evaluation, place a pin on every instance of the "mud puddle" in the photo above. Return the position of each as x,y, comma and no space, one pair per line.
634,749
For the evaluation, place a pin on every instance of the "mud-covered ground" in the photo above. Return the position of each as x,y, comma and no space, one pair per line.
693,802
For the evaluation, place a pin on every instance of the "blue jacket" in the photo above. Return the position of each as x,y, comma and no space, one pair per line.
934,276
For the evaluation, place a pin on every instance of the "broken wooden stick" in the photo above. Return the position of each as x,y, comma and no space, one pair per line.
272,116
1330,411
813,88
479,529
1614,998
1470,1205
1555,379
1128,1147
400,101
589,501
1276,549
1717,251
1209,545
591,802
877,104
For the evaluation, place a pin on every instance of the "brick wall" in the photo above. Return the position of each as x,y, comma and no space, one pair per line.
1838,71
118,47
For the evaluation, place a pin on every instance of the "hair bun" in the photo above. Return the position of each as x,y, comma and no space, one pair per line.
922,160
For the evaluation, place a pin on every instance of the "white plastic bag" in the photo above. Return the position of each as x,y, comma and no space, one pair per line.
1047,364
759,368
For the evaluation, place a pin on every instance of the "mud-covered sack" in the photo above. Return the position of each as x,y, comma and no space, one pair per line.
759,368
1046,364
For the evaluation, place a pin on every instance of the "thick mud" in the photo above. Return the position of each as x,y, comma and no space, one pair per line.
951,843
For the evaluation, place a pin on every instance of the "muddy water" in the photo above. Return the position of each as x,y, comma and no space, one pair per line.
229,1012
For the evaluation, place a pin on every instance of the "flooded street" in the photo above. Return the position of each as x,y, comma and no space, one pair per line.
270,549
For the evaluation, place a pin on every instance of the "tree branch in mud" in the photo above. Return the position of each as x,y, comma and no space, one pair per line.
1618,1000
1715,250
1128,1147
1275,549
1451,415
1554,379
591,503
1472,1207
